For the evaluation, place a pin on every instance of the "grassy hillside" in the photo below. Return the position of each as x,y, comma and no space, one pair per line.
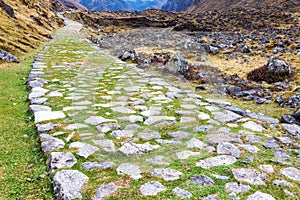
26,24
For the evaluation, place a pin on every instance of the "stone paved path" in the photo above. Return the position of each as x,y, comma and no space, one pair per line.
111,130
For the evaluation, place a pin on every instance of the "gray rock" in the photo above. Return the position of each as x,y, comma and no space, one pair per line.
104,128
97,165
291,173
292,129
267,168
202,180
187,120
218,102
149,135
132,148
154,119
237,187
49,143
204,128
84,149
132,170
152,188
286,191
182,193
75,126
37,92
195,143
262,117
122,134
166,173
55,94
43,128
95,120
105,190
37,108
203,116
107,145
228,149
279,66
178,135
253,126
122,110
219,137
186,154
282,183
223,178
260,196
281,155
48,115
271,144
167,142
38,101
285,140
251,176
253,139
133,127
4,55
250,148
157,160
68,184
58,160
216,161
227,117
210,197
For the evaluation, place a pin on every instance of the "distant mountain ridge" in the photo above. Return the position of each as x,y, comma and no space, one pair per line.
72,4
177,5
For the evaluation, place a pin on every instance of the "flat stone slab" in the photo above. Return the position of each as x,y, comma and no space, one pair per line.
251,176
84,149
157,160
203,116
227,117
291,173
149,135
228,149
202,180
216,161
260,196
253,126
97,165
132,170
132,148
182,193
122,110
49,143
41,116
178,135
95,120
75,126
133,118
154,119
186,154
218,102
220,137
166,173
292,129
267,168
195,143
105,190
122,134
55,94
152,188
104,128
250,148
68,184
43,128
237,187
58,160
185,120
107,145
36,108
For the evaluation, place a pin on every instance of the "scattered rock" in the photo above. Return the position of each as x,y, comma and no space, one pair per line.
216,161
260,196
291,173
166,173
132,148
58,160
229,149
251,176
105,190
202,180
152,188
237,187
49,143
84,149
130,169
97,165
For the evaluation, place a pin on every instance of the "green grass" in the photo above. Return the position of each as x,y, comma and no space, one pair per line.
22,164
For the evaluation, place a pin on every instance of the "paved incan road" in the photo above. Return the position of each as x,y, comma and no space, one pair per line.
111,130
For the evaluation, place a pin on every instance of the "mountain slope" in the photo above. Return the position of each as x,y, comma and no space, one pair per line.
25,24
105,5
72,4
145,4
177,5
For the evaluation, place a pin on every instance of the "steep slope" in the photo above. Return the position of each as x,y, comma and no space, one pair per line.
177,5
105,5
72,4
25,24
209,5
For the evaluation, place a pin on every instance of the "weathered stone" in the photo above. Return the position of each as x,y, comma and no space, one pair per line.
157,160
237,187
292,129
229,149
282,183
75,126
227,117
203,116
219,137
97,165
43,128
68,184
84,149
105,190
55,94
166,173
95,120
251,176
149,135
58,160
291,173
202,180
182,193
49,143
279,66
130,169
216,161
154,119
37,108
48,115
152,188
178,135
253,139
104,128
267,168
122,110
122,133
167,142
195,143
107,145
184,120
271,144
204,128
133,118
210,197
218,102
223,178
285,140
250,148
38,101
186,154
281,155
253,126
132,148
260,196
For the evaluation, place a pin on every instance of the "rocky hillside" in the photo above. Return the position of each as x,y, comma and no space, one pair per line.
177,5
105,5
25,24
209,5
73,4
